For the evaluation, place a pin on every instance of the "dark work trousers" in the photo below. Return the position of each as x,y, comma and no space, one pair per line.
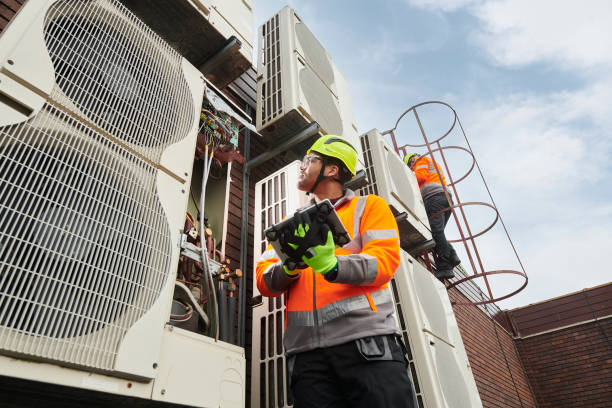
433,204
371,372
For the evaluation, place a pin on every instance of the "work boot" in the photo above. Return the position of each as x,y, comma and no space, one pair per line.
451,261
454,259
446,273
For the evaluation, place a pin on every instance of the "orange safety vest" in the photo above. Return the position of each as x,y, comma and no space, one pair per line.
427,176
358,303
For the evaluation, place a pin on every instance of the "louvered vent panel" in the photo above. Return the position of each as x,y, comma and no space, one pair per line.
371,188
84,244
404,329
272,102
276,198
273,385
113,70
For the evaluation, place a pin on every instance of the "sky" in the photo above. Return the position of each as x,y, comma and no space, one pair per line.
530,82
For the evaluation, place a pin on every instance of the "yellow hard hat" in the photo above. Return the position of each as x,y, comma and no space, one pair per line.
409,156
335,146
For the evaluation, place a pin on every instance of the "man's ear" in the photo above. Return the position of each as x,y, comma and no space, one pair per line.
332,170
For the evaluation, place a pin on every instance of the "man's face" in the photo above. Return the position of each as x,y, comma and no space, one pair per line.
411,161
309,171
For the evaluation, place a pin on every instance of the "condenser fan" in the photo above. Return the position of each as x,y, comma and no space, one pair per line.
112,72
83,237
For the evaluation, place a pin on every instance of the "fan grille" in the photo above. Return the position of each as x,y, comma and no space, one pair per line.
84,241
119,74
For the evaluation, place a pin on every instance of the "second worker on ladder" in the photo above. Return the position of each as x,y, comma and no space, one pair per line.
428,174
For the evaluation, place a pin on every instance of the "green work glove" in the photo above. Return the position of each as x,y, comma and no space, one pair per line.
321,258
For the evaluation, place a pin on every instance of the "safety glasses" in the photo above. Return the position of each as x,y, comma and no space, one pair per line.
306,160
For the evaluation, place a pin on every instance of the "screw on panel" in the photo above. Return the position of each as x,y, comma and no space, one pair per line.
163,392
154,365
11,62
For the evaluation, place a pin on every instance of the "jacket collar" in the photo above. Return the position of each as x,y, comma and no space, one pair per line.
347,197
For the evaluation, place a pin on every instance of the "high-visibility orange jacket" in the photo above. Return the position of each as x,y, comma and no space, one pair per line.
427,176
358,302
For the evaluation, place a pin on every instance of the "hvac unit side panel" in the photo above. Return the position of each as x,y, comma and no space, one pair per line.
273,202
444,376
196,370
450,361
70,377
26,74
411,325
233,18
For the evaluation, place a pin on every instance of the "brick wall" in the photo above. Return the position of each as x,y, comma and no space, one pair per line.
571,367
497,385
8,9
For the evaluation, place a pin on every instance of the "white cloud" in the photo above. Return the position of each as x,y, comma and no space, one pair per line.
559,262
444,5
570,33
547,143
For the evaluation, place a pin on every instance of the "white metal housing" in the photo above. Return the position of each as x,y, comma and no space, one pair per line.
276,197
297,82
438,361
98,125
231,18
392,180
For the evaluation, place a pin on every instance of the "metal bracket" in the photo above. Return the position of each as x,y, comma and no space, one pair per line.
360,180
409,241
194,252
220,55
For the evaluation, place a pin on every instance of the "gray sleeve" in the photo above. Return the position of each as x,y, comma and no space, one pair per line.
356,269
277,280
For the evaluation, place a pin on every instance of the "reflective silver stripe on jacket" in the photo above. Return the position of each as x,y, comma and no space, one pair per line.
359,209
337,309
358,242
270,253
377,234
355,244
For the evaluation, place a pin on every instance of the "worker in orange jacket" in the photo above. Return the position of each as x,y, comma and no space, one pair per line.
426,171
342,342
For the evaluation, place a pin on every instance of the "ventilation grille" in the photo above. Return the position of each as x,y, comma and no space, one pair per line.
117,73
271,95
371,187
404,330
274,388
84,241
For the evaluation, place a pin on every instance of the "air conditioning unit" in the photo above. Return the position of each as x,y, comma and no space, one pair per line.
392,180
201,31
438,362
98,125
297,83
276,197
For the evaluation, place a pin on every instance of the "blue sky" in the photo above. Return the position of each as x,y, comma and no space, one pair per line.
530,81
